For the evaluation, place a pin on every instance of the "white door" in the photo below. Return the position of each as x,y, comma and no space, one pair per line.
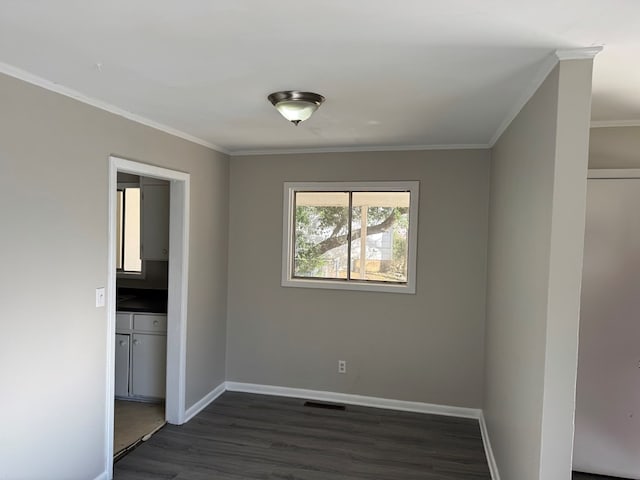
122,366
148,365
607,424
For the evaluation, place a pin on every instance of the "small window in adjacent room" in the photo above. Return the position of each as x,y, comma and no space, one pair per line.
128,231
357,236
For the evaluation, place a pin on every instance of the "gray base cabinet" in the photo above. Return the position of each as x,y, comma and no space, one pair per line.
141,355
148,370
122,365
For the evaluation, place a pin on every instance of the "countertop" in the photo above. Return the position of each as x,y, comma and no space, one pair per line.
141,300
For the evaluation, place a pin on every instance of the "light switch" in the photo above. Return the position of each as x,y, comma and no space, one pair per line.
100,297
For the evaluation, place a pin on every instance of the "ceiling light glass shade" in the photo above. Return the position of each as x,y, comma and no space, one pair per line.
296,106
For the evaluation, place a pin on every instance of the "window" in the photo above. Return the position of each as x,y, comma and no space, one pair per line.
128,231
358,236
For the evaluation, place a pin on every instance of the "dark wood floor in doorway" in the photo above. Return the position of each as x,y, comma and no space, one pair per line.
245,436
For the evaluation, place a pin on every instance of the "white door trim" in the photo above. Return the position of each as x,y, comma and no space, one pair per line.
177,292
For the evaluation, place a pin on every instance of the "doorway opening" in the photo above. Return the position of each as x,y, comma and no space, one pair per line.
147,330
607,432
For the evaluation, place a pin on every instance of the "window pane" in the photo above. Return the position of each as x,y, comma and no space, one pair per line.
119,220
380,228
321,230
132,260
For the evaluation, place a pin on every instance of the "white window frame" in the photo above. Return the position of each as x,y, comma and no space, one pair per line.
384,186
132,274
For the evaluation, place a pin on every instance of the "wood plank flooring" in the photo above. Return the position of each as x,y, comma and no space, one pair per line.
245,436
588,476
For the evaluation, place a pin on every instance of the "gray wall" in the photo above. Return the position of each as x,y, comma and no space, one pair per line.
536,232
614,147
425,347
53,204
156,276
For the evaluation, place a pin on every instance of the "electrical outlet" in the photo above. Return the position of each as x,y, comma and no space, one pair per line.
342,366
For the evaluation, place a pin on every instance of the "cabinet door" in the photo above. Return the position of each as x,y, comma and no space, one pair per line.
122,366
155,222
148,365
150,323
123,321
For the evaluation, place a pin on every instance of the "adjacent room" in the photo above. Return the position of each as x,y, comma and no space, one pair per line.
303,240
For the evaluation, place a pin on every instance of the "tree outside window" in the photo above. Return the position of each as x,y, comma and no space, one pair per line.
360,235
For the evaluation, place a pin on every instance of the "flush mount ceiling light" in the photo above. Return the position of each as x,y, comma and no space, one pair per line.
296,106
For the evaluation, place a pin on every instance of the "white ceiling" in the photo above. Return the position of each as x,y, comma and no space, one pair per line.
396,74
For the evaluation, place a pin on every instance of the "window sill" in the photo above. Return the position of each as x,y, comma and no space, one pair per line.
130,275
349,285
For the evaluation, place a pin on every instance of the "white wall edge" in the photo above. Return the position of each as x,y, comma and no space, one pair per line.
578,53
612,173
102,476
178,295
387,148
491,460
204,402
547,66
25,76
110,324
615,123
361,400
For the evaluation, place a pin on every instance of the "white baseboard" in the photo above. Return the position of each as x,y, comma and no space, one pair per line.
491,460
197,407
361,400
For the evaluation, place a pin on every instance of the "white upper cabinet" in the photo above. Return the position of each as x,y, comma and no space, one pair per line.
155,220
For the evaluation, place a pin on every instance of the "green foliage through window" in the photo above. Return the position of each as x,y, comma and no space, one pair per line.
351,235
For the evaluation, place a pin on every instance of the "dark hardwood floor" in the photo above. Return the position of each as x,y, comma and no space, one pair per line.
244,436
588,476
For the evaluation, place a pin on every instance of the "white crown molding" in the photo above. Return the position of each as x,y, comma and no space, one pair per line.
201,404
491,459
578,53
615,123
545,69
389,148
25,76
548,65
361,400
